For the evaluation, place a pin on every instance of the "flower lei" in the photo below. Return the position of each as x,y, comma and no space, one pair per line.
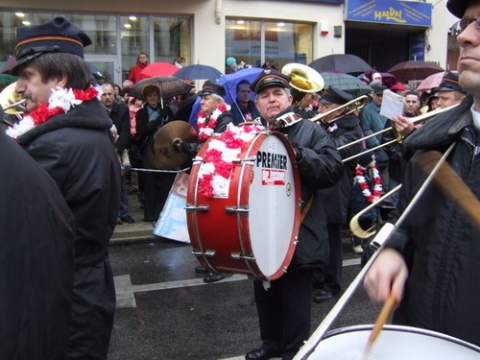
217,165
331,128
362,183
60,101
206,127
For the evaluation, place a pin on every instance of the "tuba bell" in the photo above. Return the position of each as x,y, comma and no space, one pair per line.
11,101
304,79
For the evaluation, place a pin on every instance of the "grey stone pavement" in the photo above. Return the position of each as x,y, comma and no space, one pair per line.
166,311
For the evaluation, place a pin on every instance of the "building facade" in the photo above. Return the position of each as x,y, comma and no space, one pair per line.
382,32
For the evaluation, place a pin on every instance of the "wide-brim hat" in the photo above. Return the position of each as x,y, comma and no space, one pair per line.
458,7
56,36
269,78
210,88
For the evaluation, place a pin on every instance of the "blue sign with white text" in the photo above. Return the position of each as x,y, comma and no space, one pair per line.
390,12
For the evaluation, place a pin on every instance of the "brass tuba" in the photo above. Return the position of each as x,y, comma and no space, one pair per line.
304,79
11,101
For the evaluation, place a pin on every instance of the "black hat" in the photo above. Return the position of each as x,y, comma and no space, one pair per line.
450,83
335,96
457,7
378,89
268,78
58,35
365,159
210,88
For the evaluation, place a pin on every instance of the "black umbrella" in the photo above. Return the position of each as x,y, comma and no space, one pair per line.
198,72
345,63
169,86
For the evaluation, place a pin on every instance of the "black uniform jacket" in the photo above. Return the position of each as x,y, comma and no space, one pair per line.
439,242
76,149
319,166
347,130
36,259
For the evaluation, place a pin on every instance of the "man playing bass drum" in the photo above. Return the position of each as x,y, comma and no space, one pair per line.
284,304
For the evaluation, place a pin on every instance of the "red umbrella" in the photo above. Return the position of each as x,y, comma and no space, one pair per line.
431,82
158,69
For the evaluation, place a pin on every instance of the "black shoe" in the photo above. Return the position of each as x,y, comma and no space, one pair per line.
212,278
201,270
324,295
260,354
119,221
127,219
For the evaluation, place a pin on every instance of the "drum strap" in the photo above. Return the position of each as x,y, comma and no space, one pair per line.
284,121
307,207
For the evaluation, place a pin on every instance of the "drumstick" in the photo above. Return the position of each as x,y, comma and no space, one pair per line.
379,323
452,185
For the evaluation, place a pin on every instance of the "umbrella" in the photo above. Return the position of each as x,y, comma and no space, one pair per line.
431,82
229,82
347,83
8,64
346,63
158,69
95,72
414,70
169,86
199,72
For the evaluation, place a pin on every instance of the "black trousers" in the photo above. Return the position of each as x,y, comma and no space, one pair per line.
284,312
330,277
156,189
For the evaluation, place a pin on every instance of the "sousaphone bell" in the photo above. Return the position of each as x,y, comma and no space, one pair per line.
304,79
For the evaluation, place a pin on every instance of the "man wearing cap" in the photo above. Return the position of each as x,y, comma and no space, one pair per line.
284,304
343,129
67,131
430,265
371,122
449,91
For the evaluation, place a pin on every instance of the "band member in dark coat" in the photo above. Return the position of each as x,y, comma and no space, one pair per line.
431,264
36,259
243,109
343,129
67,131
284,304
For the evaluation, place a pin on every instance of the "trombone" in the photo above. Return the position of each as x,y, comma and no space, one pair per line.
414,120
351,106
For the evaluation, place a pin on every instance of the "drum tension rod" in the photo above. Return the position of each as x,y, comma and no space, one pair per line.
201,208
203,253
244,210
238,256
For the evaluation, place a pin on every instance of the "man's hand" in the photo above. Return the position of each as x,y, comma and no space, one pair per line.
180,146
403,125
388,274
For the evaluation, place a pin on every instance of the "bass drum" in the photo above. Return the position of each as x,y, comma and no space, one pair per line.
394,343
253,228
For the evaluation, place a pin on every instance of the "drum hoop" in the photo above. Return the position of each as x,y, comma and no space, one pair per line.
243,193
403,328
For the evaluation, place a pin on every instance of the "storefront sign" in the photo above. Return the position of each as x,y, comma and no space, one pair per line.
390,12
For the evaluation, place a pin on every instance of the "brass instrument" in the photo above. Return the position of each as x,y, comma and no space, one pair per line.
351,106
304,79
11,101
414,120
355,227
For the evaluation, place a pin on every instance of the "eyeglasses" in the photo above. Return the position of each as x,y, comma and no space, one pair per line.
458,27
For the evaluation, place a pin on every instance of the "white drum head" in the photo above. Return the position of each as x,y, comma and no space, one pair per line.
393,343
272,204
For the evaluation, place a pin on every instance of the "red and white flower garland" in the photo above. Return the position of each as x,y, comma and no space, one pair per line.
362,182
216,168
60,101
206,127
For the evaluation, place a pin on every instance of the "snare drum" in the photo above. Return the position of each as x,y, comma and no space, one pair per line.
394,343
252,227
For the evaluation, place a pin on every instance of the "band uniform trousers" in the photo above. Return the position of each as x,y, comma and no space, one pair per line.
291,294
